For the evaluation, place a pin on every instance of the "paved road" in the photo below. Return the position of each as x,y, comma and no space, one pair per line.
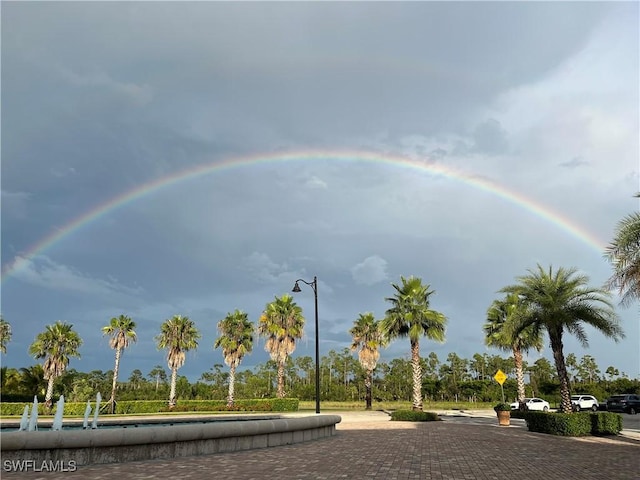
369,446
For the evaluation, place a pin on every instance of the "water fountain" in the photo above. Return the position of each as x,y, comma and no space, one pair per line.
87,412
33,420
57,419
161,437
24,421
94,424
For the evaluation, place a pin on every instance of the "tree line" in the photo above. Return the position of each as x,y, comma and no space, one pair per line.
542,302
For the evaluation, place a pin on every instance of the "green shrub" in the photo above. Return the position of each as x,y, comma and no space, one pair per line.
502,407
414,416
605,423
566,424
519,414
76,409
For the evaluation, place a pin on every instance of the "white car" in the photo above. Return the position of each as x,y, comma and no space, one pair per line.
532,404
584,402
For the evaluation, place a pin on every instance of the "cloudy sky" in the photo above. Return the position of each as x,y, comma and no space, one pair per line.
194,158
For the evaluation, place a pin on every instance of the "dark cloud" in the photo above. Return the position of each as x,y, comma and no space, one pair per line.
102,98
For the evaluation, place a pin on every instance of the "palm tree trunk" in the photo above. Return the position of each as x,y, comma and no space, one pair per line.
367,385
280,392
116,368
555,338
232,384
517,357
172,393
417,376
48,403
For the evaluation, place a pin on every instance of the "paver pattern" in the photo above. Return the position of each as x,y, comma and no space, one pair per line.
369,446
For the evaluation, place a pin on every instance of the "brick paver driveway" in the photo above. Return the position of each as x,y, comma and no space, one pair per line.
376,448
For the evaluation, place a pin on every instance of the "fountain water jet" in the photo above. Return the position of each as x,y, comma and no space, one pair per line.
87,412
24,421
33,420
57,419
94,424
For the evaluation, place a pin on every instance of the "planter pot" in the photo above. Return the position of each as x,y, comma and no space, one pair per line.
504,418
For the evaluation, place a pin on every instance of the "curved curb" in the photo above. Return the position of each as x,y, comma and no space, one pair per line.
85,447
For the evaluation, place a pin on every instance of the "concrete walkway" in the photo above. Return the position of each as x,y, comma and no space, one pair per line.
369,446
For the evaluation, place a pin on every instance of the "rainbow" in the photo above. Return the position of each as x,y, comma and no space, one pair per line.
96,213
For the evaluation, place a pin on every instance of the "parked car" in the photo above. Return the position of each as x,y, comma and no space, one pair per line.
628,403
532,404
584,402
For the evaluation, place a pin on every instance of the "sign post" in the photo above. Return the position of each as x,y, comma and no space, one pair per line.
500,377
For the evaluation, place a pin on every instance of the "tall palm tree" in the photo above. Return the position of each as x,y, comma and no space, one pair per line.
624,255
236,340
367,337
563,301
501,317
410,316
5,334
282,323
122,332
57,344
178,335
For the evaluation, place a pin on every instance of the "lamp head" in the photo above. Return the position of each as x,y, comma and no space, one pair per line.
296,288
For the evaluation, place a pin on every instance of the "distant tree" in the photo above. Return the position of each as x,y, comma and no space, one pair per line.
136,379
431,366
121,331
178,335
158,374
56,344
564,301
281,323
502,317
5,334
367,339
624,255
410,316
32,380
572,367
588,369
236,340
612,372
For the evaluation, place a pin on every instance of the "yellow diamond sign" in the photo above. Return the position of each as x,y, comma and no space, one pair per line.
500,377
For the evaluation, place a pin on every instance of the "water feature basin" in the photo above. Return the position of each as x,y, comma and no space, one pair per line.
163,437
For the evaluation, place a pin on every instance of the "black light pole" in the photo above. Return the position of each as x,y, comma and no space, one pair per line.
314,285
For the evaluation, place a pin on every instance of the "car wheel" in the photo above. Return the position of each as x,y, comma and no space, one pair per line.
632,411
545,409
577,408
594,408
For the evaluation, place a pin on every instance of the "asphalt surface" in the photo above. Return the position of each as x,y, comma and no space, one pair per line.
367,445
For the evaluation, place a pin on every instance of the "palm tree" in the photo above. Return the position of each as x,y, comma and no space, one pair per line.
56,345
410,316
178,335
122,332
559,302
32,380
282,324
236,340
5,334
624,255
158,374
501,317
367,337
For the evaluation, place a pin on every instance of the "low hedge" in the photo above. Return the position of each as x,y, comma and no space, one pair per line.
606,423
155,406
577,424
414,416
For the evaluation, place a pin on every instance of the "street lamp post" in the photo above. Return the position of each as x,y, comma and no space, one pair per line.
314,285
